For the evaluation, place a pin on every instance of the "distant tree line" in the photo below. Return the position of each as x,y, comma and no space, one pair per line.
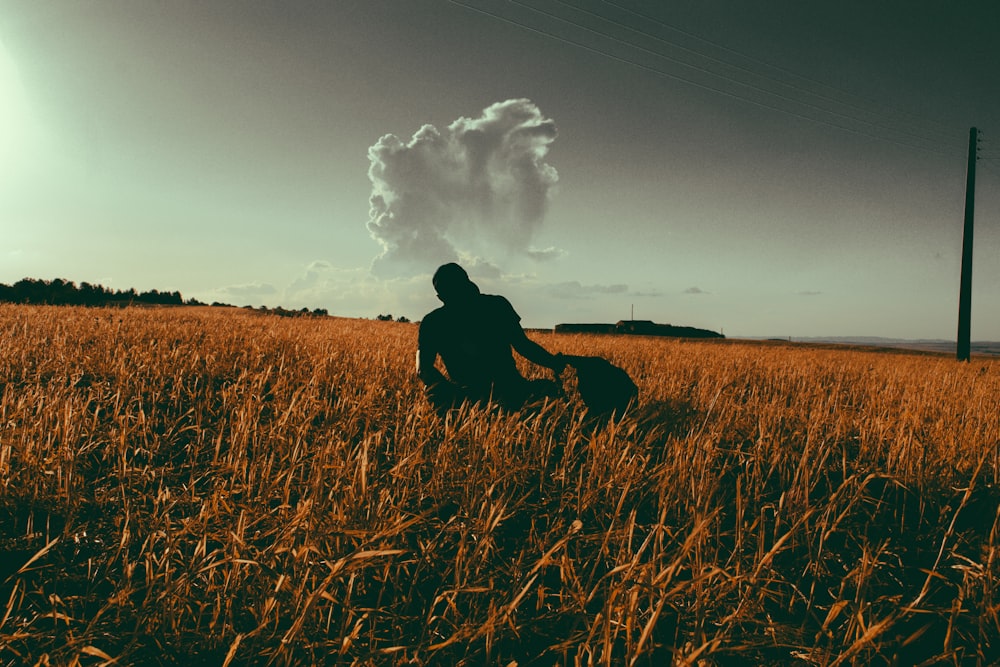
388,318
284,312
59,292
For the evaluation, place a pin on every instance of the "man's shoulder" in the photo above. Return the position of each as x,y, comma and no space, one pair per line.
433,318
496,301
494,298
434,314
500,304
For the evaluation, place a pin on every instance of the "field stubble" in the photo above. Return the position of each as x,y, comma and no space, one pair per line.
219,486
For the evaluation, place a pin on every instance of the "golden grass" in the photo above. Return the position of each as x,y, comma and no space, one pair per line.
212,486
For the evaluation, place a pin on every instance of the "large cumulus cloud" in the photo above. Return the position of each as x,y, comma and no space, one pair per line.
478,188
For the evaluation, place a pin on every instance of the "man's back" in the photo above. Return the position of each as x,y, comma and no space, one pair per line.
474,340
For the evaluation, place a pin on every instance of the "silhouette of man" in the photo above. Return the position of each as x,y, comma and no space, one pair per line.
473,333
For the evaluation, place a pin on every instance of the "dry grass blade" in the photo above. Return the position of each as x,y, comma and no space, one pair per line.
39,554
98,653
231,653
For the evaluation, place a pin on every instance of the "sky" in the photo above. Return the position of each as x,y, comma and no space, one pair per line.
760,168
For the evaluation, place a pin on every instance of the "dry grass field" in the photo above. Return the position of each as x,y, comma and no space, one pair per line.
216,486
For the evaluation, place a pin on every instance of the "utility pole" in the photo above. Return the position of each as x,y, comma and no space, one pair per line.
965,294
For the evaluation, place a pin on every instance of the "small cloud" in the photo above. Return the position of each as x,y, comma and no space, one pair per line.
575,290
546,254
695,290
355,292
317,275
322,283
479,268
809,293
654,294
252,291
318,265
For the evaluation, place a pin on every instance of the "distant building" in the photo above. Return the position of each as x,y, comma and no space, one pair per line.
585,328
641,327
638,328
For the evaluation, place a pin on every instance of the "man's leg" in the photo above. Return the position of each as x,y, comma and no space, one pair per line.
445,396
516,396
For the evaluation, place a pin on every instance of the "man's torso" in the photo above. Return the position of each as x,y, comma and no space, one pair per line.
474,341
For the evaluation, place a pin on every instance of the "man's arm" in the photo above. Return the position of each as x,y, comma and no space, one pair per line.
426,371
427,353
535,353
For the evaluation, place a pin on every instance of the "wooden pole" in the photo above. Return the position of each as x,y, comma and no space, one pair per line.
964,347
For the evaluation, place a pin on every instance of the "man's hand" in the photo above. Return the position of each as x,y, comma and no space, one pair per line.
559,363
537,354
426,370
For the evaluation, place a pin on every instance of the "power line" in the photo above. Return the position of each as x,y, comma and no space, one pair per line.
985,146
992,171
748,70
945,131
716,74
990,167
697,84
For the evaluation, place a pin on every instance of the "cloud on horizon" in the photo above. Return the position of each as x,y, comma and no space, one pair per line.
573,289
251,294
357,292
651,294
478,188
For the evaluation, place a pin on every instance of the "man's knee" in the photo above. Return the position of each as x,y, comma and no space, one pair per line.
514,397
541,389
445,395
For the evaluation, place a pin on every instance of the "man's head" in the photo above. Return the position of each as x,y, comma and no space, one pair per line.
452,284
